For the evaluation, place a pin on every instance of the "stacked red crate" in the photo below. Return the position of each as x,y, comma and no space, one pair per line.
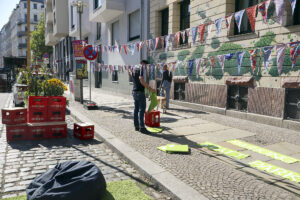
83,131
15,120
37,109
152,119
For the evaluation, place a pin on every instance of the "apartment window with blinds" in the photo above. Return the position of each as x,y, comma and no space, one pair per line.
185,11
115,33
25,5
35,6
98,36
35,18
72,18
165,22
134,25
245,24
25,16
97,4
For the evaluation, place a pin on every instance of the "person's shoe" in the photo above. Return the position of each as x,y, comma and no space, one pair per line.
137,128
144,131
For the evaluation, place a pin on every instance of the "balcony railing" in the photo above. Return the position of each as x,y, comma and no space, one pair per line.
22,33
20,22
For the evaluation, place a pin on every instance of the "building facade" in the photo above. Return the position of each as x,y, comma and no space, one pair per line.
246,91
14,33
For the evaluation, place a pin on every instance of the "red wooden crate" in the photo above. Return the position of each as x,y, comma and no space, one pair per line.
56,115
36,102
16,132
57,130
38,131
56,103
12,116
83,131
37,115
152,119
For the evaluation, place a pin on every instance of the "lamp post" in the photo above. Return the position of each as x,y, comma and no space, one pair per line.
28,35
80,5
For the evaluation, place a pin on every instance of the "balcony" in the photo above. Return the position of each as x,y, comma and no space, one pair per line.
108,10
22,33
50,40
22,45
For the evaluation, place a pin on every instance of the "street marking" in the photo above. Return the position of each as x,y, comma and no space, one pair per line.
292,176
266,152
223,150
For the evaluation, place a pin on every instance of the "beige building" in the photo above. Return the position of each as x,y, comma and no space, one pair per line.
249,94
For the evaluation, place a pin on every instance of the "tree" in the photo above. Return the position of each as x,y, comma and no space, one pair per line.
37,42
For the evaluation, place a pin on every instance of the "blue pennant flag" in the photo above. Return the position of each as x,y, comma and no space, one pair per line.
191,67
239,58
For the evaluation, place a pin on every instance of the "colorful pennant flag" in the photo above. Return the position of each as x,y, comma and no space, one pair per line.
187,31
267,56
228,20
263,8
221,59
218,23
152,73
201,29
177,38
280,5
194,34
156,42
172,38
178,65
183,36
166,42
238,18
174,66
294,52
239,58
212,61
125,48
204,64
209,29
251,16
253,55
280,50
228,56
198,65
162,42
191,67
293,4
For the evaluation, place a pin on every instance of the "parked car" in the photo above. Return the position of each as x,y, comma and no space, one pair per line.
18,93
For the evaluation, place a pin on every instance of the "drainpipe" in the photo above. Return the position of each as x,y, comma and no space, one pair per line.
142,32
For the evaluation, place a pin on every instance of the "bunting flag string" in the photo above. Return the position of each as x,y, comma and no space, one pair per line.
194,34
251,12
201,29
218,23
228,20
156,43
239,59
198,64
294,52
191,67
263,8
253,55
280,5
177,38
238,19
267,51
280,50
221,59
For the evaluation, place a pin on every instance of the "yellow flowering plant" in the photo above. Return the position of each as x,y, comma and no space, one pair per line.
53,87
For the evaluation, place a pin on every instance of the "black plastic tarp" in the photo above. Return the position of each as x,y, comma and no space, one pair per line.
72,180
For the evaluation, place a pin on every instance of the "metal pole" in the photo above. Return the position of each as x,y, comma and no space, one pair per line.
80,37
28,35
90,77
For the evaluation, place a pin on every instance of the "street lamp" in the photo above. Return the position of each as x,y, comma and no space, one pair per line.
80,5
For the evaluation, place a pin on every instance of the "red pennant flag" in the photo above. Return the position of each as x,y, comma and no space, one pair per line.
251,16
156,42
138,46
212,60
125,48
201,30
177,37
162,42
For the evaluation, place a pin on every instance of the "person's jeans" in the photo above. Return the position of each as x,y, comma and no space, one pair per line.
139,108
167,86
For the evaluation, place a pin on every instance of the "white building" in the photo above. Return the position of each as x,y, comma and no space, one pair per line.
14,33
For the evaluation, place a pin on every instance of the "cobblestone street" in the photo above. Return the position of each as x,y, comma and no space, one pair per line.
21,162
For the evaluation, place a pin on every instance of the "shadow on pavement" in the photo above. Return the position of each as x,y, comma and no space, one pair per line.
188,111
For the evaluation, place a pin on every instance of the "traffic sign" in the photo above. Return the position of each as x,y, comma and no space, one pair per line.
90,53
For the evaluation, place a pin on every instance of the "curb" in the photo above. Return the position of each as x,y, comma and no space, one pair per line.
162,178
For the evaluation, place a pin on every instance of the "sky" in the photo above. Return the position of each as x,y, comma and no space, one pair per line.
6,8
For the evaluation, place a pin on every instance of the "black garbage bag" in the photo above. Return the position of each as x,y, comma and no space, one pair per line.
72,180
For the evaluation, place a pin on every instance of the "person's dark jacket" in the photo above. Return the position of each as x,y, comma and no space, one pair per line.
167,76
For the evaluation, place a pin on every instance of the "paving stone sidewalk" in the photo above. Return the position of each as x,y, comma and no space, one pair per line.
211,175
21,162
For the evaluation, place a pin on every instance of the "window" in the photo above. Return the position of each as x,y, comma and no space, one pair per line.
185,11
292,105
35,28
34,6
25,28
72,18
97,4
165,22
25,16
245,24
297,14
115,75
25,5
42,6
237,98
98,35
115,33
134,25
35,18
179,91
